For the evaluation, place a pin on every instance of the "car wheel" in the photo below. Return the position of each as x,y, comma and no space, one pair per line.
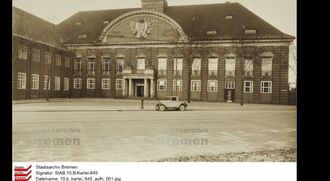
182,107
162,108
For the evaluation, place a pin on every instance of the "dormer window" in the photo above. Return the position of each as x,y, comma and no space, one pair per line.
82,36
211,32
250,31
229,17
78,23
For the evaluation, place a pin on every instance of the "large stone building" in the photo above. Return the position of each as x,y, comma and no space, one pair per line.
216,52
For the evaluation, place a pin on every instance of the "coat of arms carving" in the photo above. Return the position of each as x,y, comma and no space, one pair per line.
142,28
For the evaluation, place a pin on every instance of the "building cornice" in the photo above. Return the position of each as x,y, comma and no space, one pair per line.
208,43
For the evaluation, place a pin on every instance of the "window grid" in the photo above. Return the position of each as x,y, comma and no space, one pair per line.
77,64
106,83
162,66
177,85
195,85
230,66
119,65
248,67
177,66
48,58
21,80
46,82
266,66
230,85
57,83
36,55
119,84
90,83
248,86
22,53
35,81
212,86
77,83
266,87
106,65
196,66
213,66
161,84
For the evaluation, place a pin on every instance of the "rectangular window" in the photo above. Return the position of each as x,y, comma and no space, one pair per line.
140,64
105,65
248,67
195,85
266,66
36,55
90,83
230,85
266,87
77,83
177,85
22,52
248,86
119,84
58,60
91,65
230,66
162,66
177,66
57,83
196,66
21,80
46,82
161,84
106,83
119,65
77,64
35,81
213,66
66,84
212,86
48,58
67,62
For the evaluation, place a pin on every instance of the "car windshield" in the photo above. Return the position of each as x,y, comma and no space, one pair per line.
172,98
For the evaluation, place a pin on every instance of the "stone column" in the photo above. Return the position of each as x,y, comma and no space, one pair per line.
152,88
130,88
145,93
124,87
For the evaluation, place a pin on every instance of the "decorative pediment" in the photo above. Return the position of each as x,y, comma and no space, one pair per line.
142,25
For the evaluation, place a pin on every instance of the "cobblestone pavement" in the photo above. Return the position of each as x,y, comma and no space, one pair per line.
118,130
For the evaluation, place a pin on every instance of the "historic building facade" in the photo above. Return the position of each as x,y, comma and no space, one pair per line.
217,52
41,66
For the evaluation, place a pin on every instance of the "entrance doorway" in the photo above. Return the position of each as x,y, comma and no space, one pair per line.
229,95
139,90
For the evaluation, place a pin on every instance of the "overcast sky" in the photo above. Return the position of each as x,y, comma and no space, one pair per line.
279,13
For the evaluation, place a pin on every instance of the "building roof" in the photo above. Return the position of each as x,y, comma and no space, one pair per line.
31,27
212,17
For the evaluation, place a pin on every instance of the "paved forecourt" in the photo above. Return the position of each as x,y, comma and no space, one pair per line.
119,130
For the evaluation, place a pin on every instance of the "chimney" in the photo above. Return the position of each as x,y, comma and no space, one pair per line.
154,5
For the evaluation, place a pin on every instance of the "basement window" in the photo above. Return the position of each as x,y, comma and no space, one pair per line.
78,23
211,32
250,31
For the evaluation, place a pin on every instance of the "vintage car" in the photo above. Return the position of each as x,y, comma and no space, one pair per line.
171,103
